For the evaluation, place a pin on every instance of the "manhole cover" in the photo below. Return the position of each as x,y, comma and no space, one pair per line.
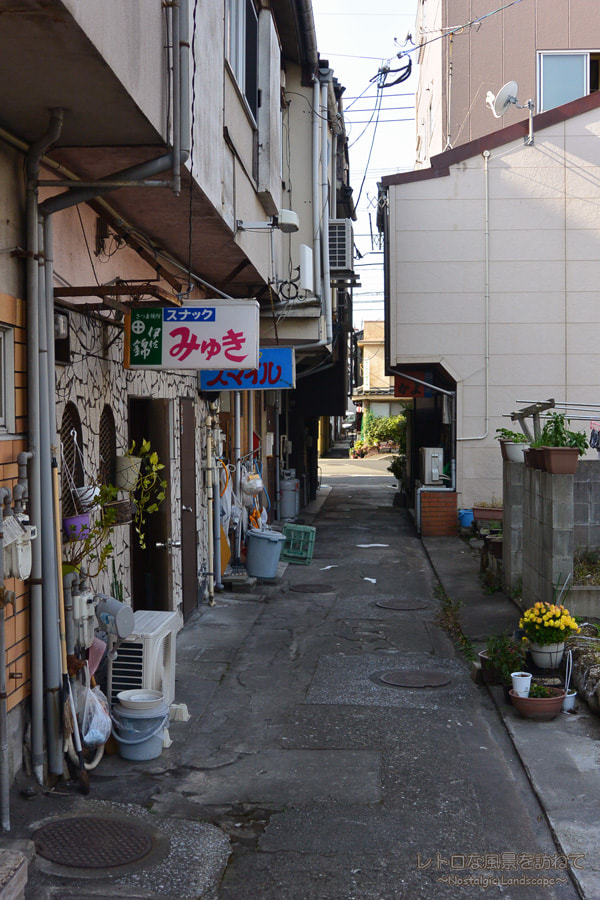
92,842
415,678
401,604
312,588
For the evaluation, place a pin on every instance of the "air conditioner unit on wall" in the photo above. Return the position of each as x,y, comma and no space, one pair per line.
341,245
432,465
146,660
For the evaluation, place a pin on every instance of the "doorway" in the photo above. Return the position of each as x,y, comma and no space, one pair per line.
151,568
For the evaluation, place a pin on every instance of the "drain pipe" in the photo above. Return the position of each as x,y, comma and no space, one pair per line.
327,299
4,757
277,448
486,169
33,157
316,202
51,612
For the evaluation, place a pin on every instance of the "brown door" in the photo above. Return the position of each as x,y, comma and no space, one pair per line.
189,536
151,568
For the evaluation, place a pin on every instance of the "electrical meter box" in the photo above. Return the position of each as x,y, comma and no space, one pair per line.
432,465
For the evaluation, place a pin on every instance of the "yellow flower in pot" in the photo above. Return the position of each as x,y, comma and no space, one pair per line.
546,627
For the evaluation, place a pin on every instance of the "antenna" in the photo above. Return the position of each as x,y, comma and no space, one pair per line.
506,97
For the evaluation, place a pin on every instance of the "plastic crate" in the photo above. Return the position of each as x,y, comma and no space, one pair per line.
299,543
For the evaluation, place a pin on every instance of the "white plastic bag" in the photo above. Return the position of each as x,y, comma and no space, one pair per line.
95,721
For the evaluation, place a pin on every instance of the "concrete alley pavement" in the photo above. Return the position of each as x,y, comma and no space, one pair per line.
305,772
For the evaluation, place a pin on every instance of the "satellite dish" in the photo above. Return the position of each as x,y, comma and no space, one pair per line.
505,97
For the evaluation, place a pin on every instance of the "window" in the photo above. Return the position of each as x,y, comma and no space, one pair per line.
241,47
7,380
566,76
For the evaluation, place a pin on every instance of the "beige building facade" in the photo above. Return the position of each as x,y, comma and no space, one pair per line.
550,48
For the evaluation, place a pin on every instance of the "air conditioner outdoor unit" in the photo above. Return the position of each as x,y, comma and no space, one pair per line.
146,660
432,465
341,245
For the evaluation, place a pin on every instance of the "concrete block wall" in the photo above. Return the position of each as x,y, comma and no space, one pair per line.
512,524
548,533
587,504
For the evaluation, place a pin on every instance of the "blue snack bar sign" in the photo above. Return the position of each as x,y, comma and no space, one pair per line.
276,371
219,333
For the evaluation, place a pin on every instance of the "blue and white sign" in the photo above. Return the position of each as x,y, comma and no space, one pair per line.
276,372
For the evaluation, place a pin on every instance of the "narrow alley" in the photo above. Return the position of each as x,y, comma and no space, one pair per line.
305,772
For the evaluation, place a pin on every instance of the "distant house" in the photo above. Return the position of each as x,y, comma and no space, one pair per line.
492,267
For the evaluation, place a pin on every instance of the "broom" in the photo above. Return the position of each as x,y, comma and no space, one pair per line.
70,724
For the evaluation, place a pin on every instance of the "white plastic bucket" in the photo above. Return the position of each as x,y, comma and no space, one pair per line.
263,552
290,498
139,732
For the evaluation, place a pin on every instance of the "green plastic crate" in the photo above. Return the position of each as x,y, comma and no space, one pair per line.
299,543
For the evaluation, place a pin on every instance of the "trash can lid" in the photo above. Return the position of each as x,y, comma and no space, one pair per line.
266,535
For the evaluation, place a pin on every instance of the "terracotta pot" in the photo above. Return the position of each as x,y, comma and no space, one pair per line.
489,673
541,708
534,458
560,460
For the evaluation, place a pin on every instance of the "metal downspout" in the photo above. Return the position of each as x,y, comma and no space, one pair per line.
51,611
4,757
237,460
33,158
486,171
327,300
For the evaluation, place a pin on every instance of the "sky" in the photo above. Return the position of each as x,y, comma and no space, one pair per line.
358,38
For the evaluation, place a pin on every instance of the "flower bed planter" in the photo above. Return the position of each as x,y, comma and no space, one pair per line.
560,460
487,513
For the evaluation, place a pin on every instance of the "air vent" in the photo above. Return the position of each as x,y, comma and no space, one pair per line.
341,246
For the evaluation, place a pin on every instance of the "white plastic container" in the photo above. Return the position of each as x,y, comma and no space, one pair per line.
139,732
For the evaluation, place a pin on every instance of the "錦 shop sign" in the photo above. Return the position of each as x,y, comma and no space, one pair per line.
217,334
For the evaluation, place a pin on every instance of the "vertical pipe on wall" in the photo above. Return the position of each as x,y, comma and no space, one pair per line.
316,202
327,300
210,477
4,757
217,504
237,460
33,158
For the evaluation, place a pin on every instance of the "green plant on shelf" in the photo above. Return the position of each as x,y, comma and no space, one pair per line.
555,433
516,437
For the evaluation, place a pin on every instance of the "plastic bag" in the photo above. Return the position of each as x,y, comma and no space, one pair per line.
95,720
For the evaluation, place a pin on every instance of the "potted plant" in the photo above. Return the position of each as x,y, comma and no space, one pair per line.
546,627
488,510
90,543
149,489
512,444
561,447
543,703
502,656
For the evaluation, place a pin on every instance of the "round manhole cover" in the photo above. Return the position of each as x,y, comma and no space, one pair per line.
415,678
312,588
401,604
92,842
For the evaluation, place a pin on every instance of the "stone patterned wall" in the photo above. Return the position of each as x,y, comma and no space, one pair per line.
96,377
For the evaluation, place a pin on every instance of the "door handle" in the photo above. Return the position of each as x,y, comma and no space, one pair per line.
169,544
186,508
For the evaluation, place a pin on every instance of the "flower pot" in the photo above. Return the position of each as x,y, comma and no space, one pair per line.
547,656
560,460
568,703
534,458
541,708
86,496
127,471
521,682
489,673
76,528
515,452
120,512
